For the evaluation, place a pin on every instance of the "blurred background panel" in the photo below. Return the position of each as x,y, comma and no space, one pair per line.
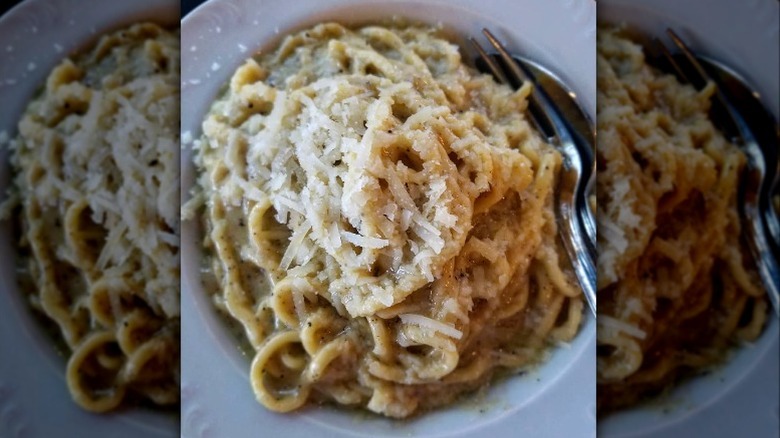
719,391
36,36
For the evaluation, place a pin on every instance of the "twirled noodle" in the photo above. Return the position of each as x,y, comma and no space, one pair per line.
97,176
401,207
676,287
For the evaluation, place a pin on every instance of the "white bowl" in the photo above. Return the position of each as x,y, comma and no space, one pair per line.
34,400
741,397
217,400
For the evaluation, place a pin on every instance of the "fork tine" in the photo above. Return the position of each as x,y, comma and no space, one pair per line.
516,71
491,63
689,55
668,55
520,77
728,112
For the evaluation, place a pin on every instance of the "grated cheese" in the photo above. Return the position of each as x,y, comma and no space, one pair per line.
424,321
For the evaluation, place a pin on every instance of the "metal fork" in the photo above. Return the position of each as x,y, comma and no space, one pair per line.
576,176
754,202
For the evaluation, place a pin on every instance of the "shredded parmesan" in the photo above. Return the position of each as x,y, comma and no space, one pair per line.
364,241
424,321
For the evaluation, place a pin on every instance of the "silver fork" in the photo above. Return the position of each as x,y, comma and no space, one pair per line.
576,225
757,215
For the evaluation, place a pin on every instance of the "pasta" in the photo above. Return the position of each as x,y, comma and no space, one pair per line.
380,222
97,183
676,288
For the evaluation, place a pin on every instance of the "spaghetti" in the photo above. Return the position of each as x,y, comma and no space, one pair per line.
380,222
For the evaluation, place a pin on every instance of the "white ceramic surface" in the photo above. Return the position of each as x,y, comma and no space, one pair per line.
34,401
741,398
557,400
